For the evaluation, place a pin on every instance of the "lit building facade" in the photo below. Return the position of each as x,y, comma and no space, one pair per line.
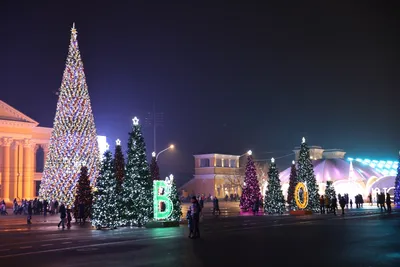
22,144
215,175
348,175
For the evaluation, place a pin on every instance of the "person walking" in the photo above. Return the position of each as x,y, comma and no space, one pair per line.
195,210
334,205
322,204
388,203
63,214
29,218
69,217
216,206
45,204
342,203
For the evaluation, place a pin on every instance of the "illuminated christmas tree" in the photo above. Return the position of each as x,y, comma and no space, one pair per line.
397,185
137,195
329,190
274,200
73,141
305,174
119,165
251,189
176,202
105,200
154,170
292,185
84,195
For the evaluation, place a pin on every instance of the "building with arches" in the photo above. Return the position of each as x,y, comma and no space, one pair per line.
23,149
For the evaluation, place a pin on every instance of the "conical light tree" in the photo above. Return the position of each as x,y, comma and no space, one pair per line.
329,190
137,193
397,185
305,174
176,202
292,185
251,189
73,141
105,199
154,169
274,200
119,165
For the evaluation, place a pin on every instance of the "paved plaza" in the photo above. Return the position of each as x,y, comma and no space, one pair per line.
360,238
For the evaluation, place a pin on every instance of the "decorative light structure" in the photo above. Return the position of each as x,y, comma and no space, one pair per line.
73,139
161,193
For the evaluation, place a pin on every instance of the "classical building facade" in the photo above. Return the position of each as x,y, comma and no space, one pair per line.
216,175
20,139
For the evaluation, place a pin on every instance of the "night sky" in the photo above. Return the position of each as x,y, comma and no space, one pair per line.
227,77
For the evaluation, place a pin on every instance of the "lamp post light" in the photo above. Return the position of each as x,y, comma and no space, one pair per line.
158,154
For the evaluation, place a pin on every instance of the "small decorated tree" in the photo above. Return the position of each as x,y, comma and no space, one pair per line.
105,206
292,185
305,174
329,190
84,195
274,200
176,202
251,189
397,186
119,165
154,170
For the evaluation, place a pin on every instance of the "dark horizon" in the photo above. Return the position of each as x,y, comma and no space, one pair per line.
228,78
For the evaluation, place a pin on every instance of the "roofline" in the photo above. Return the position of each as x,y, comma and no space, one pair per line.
215,155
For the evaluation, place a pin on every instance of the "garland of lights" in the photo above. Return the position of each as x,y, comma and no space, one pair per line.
162,193
301,204
73,141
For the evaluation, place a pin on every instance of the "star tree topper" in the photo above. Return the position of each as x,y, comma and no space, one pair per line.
118,142
135,121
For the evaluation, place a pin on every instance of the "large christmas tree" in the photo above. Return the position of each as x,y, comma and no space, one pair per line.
305,174
397,185
292,185
137,186
105,201
251,189
154,170
329,190
274,200
119,165
84,195
176,202
73,141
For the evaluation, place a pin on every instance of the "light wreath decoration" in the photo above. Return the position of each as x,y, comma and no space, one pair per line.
162,193
301,204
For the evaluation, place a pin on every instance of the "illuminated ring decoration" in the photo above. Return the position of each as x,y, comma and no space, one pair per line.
301,205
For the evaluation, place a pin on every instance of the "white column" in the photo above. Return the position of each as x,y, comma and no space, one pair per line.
14,171
5,184
34,157
45,148
27,177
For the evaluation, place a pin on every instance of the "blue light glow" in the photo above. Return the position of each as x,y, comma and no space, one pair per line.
384,167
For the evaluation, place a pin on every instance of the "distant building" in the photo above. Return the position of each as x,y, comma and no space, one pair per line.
351,176
21,139
216,175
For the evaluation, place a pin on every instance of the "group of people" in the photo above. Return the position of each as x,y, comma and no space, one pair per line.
330,205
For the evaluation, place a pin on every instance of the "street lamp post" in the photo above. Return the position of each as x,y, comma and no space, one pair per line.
158,154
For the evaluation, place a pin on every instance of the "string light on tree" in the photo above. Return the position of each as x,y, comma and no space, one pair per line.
274,200
137,187
73,139
292,184
305,173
